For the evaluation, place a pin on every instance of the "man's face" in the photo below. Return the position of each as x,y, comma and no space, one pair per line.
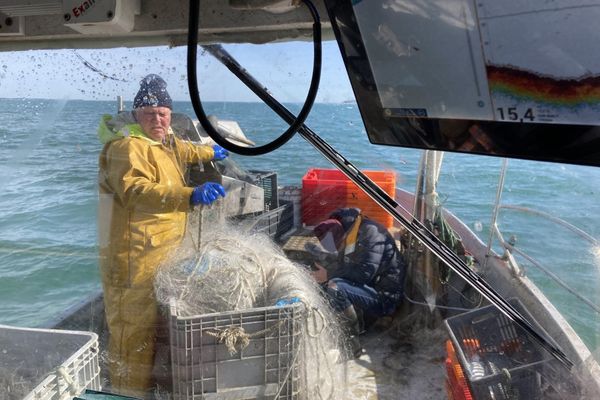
155,121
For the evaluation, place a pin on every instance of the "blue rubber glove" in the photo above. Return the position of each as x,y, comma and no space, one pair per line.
220,153
287,301
206,193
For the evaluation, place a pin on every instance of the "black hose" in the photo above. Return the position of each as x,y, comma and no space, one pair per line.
197,104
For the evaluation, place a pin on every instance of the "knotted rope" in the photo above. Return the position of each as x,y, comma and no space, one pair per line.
234,337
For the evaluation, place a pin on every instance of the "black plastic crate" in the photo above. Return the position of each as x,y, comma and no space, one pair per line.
499,359
268,181
274,222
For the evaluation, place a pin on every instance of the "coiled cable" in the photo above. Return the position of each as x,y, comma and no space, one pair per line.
195,96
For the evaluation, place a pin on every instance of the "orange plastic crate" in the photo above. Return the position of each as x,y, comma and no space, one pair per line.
324,190
456,383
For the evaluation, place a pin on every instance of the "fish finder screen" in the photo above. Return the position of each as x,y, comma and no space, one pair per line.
511,78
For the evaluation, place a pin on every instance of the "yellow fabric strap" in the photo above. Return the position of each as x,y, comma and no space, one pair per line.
352,236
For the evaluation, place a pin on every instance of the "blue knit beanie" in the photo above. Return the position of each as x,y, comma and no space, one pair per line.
152,93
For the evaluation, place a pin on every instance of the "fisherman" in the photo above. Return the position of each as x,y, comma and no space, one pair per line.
142,217
364,270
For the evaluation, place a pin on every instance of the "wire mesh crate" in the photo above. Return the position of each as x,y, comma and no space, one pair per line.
250,354
498,358
48,364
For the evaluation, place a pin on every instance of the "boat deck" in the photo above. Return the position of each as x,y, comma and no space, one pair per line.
401,359
397,365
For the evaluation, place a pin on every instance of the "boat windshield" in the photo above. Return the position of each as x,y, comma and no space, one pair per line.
93,211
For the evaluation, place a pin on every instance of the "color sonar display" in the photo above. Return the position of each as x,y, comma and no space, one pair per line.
512,60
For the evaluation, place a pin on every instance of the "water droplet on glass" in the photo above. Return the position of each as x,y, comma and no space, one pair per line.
478,226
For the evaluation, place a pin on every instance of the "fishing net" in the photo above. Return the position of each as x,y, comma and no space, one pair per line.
14,384
238,270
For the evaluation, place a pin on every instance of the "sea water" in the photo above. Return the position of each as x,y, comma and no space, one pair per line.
48,196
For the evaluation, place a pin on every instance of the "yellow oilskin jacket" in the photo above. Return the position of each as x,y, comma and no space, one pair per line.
142,217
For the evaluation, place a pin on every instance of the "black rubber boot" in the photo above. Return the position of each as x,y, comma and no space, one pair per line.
352,325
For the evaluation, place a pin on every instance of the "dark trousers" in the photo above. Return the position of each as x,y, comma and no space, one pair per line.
347,293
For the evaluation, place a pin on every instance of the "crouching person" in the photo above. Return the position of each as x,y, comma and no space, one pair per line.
366,272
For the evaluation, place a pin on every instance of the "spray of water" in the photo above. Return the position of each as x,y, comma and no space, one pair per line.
596,254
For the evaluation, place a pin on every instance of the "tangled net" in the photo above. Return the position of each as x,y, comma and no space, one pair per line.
238,270
14,385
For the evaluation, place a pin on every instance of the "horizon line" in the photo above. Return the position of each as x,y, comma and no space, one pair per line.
349,101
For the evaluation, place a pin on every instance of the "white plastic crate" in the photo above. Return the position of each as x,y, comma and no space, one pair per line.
267,367
49,364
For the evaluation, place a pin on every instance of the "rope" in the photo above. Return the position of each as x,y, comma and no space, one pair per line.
287,374
315,311
449,237
236,335
73,386
419,303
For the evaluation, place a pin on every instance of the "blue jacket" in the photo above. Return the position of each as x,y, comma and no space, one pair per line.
375,260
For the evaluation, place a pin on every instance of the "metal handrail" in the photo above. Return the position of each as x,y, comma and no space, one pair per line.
512,249
496,211
552,218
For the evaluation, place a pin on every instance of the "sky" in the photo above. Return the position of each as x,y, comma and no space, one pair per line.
102,74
